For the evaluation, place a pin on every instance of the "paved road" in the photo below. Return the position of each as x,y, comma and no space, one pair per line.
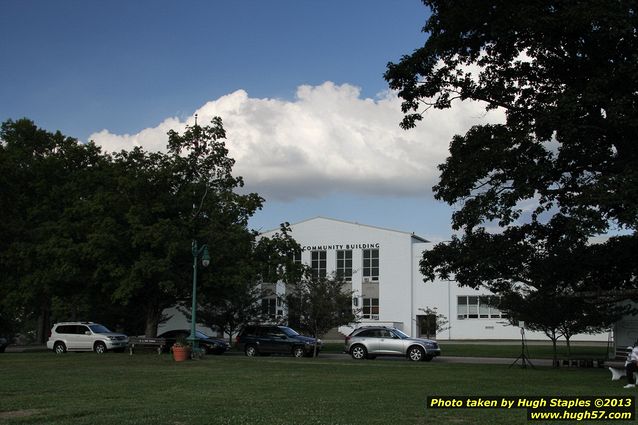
448,359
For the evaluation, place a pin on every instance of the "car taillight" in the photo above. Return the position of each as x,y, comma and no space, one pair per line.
347,339
236,340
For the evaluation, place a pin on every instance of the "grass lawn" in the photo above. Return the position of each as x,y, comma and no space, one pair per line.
84,388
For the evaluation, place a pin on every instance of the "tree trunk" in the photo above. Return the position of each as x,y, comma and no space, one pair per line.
555,361
231,331
152,320
44,325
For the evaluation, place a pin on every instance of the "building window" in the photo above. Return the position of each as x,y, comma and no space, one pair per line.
344,265
371,308
269,307
477,307
371,265
296,257
318,264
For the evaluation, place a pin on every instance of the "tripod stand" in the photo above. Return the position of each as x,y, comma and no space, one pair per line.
523,357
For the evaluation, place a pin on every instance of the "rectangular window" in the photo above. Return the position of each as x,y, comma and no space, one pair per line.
484,308
472,307
318,264
371,308
269,307
296,257
495,312
477,307
344,265
371,265
462,307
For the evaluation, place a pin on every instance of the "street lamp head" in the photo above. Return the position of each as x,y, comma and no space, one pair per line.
205,256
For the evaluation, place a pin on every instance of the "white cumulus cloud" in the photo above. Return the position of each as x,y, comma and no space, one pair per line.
328,139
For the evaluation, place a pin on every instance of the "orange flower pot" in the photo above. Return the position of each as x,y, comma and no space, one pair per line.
180,353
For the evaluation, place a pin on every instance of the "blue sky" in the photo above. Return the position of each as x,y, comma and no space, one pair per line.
298,83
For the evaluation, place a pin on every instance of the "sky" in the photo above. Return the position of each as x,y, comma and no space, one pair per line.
310,121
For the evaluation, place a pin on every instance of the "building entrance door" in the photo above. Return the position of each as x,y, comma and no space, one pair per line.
427,325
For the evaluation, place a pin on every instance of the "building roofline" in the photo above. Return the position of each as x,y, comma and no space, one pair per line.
416,237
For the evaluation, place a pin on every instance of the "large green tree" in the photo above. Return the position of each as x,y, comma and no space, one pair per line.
162,203
229,295
318,304
233,295
48,183
538,193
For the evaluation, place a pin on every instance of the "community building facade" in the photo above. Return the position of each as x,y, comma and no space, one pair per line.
382,268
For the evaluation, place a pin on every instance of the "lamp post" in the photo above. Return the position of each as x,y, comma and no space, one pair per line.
205,256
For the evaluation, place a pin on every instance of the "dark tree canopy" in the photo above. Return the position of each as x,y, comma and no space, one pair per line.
92,236
48,184
562,169
318,304
232,295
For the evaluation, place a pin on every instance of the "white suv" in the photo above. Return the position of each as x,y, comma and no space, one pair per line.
84,336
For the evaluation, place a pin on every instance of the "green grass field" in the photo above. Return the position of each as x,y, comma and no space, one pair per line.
84,388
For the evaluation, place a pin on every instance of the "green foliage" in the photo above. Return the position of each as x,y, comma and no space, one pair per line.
91,236
233,296
318,304
48,185
276,257
432,322
535,192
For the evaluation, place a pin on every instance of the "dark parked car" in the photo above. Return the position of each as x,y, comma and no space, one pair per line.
210,344
270,339
3,344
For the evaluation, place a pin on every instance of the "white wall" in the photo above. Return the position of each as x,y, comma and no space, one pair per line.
402,292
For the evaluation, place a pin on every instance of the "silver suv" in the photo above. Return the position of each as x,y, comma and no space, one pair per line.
84,336
369,342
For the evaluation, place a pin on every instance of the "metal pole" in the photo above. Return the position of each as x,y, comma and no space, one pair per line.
193,336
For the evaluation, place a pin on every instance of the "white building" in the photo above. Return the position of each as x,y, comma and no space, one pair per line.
388,288
383,266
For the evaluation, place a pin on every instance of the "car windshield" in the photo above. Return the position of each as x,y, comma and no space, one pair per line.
288,331
201,335
99,329
400,334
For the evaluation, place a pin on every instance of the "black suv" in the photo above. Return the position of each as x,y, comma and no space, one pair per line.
271,339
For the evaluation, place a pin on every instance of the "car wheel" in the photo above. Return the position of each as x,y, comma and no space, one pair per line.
416,354
59,348
298,352
99,347
359,352
251,351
